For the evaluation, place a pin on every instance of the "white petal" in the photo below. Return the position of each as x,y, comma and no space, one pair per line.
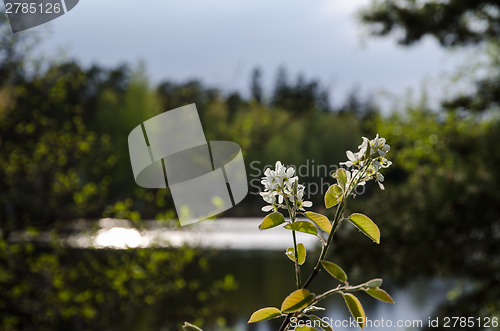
350,156
267,208
307,204
381,186
380,177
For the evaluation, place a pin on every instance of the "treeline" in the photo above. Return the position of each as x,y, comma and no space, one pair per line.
64,152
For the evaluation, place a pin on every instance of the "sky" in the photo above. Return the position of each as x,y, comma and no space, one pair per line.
221,41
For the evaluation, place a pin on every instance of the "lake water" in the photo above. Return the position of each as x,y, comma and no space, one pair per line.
265,275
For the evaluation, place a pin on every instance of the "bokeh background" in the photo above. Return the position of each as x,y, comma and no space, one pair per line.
290,81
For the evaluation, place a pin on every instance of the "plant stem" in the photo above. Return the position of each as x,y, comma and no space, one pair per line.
324,251
297,267
317,268
336,222
338,289
292,213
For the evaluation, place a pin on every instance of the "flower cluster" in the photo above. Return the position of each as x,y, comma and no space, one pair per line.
280,184
366,163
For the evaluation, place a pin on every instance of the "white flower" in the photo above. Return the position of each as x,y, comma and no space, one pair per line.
269,196
378,145
280,184
354,159
364,146
371,152
300,195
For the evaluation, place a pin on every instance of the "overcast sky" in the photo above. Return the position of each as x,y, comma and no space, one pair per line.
221,41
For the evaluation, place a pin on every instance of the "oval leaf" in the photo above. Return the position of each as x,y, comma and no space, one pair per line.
380,294
355,308
301,250
341,176
320,220
318,321
190,327
334,270
374,283
302,226
333,196
366,225
272,220
305,328
264,314
298,300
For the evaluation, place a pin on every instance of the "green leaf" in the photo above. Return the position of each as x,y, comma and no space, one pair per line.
301,251
380,294
355,308
272,220
366,225
297,300
302,226
264,314
305,328
374,283
334,270
190,327
320,220
333,196
341,175
322,324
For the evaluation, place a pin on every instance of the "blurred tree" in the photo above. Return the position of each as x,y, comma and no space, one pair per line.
63,156
440,209
441,215
359,106
301,98
12,52
452,23
256,85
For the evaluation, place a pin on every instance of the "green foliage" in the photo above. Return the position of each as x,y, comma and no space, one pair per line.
355,308
380,295
302,226
320,220
322,324
264,314
444,192
283,191
305,328
333,196
334,270
57,288
272,220
374,283
366,225
452,23
297,300
301,251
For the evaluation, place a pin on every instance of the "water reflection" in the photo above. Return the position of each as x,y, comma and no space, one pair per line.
266,277
117,237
